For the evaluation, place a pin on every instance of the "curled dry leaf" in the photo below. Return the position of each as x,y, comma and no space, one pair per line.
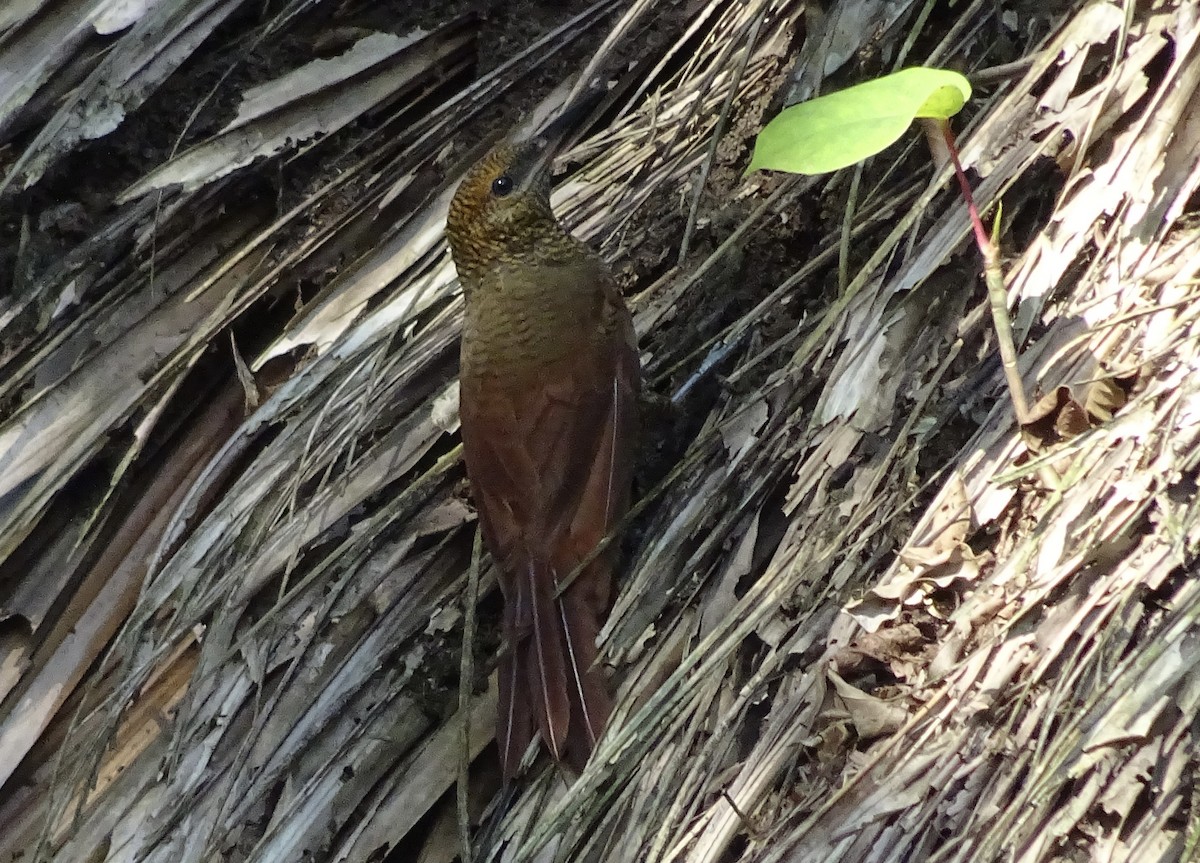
899,648
927,567
1103,398
1054,418
872,717
1069,411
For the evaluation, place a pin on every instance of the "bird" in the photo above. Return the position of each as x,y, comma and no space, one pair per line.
549,383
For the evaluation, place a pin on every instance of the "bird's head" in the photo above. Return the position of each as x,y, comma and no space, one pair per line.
501,209
502,206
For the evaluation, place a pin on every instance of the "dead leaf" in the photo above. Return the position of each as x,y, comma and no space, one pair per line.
894,647
245,377
741,432
1104,397
951,524
872,717
1056,417
318,98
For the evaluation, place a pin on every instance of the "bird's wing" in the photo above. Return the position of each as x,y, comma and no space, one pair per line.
598,509
549,455
549,447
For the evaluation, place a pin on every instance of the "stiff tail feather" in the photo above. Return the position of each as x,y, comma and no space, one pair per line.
548,685
586,689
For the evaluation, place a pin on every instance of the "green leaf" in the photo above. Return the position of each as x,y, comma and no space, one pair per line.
833,131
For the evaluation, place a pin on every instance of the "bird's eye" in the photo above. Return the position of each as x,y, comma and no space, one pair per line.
502,185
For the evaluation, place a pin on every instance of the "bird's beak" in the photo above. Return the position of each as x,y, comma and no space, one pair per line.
539,150
532,167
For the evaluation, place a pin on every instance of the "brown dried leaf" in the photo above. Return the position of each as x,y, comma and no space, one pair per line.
893,646
1056,417
1103,398
872,717
951,522
245,377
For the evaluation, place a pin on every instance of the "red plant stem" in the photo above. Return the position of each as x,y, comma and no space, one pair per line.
981,235
997,295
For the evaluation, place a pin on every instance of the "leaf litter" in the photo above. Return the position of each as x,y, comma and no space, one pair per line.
856,620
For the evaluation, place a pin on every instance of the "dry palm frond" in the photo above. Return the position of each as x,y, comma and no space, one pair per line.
856,622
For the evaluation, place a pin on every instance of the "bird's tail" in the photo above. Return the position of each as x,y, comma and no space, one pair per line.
549,684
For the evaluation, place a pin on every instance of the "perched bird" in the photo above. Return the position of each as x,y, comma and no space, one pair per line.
548,401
